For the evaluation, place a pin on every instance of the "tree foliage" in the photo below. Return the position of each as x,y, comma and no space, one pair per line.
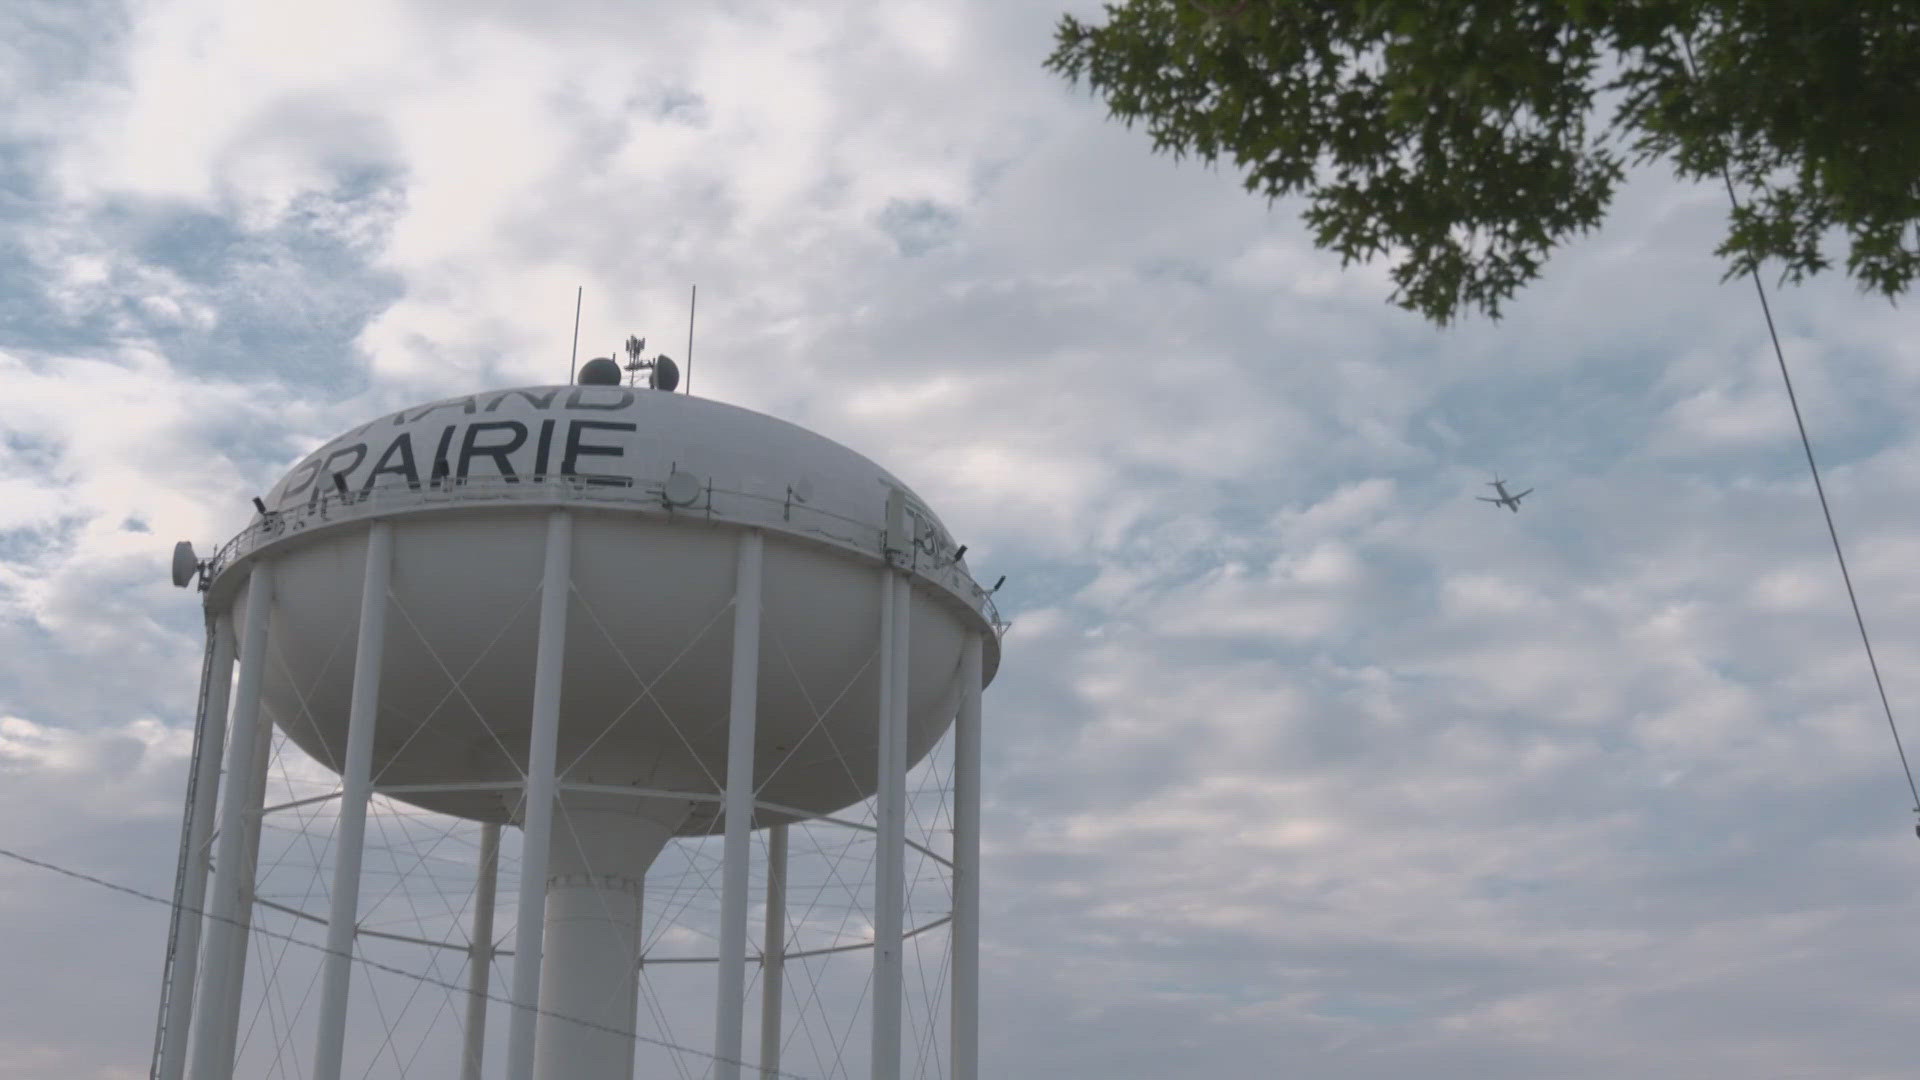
1465,139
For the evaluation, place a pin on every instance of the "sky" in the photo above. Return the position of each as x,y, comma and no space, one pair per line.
1300,761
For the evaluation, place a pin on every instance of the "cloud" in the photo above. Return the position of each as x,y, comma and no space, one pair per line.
1298,759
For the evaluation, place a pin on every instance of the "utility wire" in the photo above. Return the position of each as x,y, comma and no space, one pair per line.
374,964
1833,533
1779,354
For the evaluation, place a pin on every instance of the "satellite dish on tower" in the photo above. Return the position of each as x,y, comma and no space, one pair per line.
662,372
600,371
681,489
186,564
666,373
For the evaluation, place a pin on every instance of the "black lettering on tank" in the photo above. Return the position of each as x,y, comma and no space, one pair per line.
359,431
470,447
401,447
358,451
467,405
576,449
534,397
544,447
311,469
578,399
441,470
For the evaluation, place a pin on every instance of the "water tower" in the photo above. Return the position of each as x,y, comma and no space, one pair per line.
607,616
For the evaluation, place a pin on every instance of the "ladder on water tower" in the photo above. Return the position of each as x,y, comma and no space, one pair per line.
180,867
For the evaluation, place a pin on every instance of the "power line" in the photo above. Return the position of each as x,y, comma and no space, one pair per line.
1779,354
376,965
1866,641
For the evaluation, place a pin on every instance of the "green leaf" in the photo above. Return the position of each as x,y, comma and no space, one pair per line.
1463,136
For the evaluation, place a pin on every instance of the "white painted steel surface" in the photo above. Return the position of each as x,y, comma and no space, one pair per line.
226,934
252,784
537,812
480,953
773,960
356,788
965,1007
199,840
889,897
730,1009
557,658
589,975
652,585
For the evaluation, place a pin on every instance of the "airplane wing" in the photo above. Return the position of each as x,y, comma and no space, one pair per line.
1523,495
1483,498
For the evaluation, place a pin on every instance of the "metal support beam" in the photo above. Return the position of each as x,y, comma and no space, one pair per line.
896,597
193,891
773,947
213,1045
537,815
965,1017
356,789
480,951
743,699
254,783
882,805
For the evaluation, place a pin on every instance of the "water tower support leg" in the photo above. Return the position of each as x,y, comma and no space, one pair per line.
251,786
537,817
882,801
356,788
890,840
743,696
226,935
965,1033
480,952
254,783
773,948
193,896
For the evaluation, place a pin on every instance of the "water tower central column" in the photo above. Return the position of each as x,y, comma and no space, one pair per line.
590,970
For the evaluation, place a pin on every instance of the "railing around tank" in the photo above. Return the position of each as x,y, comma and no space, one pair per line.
927,552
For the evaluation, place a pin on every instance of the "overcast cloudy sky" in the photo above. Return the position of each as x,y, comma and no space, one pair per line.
1301,761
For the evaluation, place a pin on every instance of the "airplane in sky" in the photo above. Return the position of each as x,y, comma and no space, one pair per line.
1511,502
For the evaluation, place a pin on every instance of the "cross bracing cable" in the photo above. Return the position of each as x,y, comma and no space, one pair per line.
390,969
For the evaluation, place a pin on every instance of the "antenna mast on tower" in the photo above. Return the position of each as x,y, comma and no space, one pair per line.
574,361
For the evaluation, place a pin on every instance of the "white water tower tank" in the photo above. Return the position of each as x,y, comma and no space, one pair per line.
553,596
652,581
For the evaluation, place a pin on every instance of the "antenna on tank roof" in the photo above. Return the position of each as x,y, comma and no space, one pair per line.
693,298
574,361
